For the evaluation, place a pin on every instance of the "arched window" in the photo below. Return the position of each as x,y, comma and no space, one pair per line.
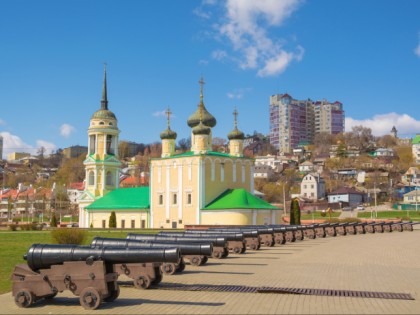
109,148
91,181
92,144
109,179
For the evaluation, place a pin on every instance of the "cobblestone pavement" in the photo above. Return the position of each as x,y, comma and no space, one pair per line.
387,262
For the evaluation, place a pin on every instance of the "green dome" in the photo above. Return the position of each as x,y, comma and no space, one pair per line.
236,134
208,119
103,114
168,134
201,129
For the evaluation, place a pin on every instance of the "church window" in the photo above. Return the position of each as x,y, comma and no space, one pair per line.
174,199
101,123
133,224
110,124
109,148
222,172
234,172
160,199
189,198
213,170
91,178
103,224
123,224
243,173
92,144
109,178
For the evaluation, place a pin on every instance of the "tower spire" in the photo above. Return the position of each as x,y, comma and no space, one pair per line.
168,115
104,100
235,118
201,82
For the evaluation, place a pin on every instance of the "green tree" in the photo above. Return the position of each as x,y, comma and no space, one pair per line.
53,220
113,220
295,212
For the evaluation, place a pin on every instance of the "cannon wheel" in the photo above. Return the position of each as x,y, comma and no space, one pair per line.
204,260
217,255
195,261
142,282
252,247
237,250
113,294
168,268
90,298
24,298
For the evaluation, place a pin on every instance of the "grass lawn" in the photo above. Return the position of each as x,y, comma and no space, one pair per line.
397,214
14,244
317,215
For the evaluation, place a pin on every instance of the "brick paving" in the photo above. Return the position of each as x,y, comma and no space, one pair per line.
387,262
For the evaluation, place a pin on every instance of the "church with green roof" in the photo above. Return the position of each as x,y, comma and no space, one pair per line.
192,188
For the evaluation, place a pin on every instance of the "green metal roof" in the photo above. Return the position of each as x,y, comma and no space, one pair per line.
416,140
238,199
209,153
133,198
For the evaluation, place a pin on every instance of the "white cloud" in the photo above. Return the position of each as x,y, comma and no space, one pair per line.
246,27
417,49
66,130
12,143
219,54
237,93
49,146
159,113
382,124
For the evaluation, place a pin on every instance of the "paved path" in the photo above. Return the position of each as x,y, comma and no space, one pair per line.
386,262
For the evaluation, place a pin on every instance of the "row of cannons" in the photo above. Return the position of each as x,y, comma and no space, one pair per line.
91,272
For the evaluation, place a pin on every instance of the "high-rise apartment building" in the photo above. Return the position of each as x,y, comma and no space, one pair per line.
296,121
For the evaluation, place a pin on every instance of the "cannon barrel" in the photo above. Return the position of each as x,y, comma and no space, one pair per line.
229,236
217,241
41,256
246,233
185,248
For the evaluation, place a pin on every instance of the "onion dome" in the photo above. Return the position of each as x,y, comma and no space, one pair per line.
207,118
168,133
236,134
201,129
104,112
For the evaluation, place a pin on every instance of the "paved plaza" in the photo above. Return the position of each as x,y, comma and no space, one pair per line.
387,262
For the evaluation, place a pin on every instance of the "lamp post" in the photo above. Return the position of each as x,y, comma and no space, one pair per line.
284,200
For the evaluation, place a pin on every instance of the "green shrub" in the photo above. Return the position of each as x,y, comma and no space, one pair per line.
69,236
12,227
295,212
113,220
53,220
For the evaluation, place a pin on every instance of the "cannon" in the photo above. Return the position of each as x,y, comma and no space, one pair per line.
265,235
219,244
361,228
235,241
249,238
88,272
351,228
197,254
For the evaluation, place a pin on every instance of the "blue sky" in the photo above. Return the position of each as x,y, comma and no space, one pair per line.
363,53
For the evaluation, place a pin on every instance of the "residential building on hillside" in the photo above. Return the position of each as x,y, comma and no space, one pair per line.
312,186
346,195
74,151
15,156
415,144
295,121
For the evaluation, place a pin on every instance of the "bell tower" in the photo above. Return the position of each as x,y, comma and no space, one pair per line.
102,165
